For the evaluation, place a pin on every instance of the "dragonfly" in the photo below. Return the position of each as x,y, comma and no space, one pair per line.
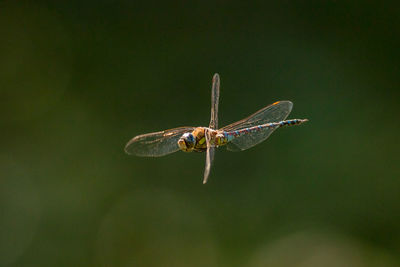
237,136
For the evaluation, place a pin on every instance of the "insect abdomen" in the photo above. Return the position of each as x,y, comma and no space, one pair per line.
231,135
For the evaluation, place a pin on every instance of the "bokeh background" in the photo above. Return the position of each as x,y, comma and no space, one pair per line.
78,79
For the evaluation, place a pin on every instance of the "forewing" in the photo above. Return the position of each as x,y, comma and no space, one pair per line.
209,158
272,113
156,144
214,102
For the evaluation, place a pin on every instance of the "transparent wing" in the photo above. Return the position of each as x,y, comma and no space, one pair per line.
214,102
213,125
156,144
272,113
209,158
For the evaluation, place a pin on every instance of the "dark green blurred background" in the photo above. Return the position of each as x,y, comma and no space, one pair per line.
79,79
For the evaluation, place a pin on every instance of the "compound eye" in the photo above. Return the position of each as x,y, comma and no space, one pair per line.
191,138
188,137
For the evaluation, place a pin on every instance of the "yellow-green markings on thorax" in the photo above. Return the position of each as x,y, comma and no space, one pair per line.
200,139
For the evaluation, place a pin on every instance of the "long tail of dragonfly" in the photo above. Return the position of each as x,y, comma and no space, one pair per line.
233,134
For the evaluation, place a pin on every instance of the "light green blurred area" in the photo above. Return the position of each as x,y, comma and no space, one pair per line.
78,80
